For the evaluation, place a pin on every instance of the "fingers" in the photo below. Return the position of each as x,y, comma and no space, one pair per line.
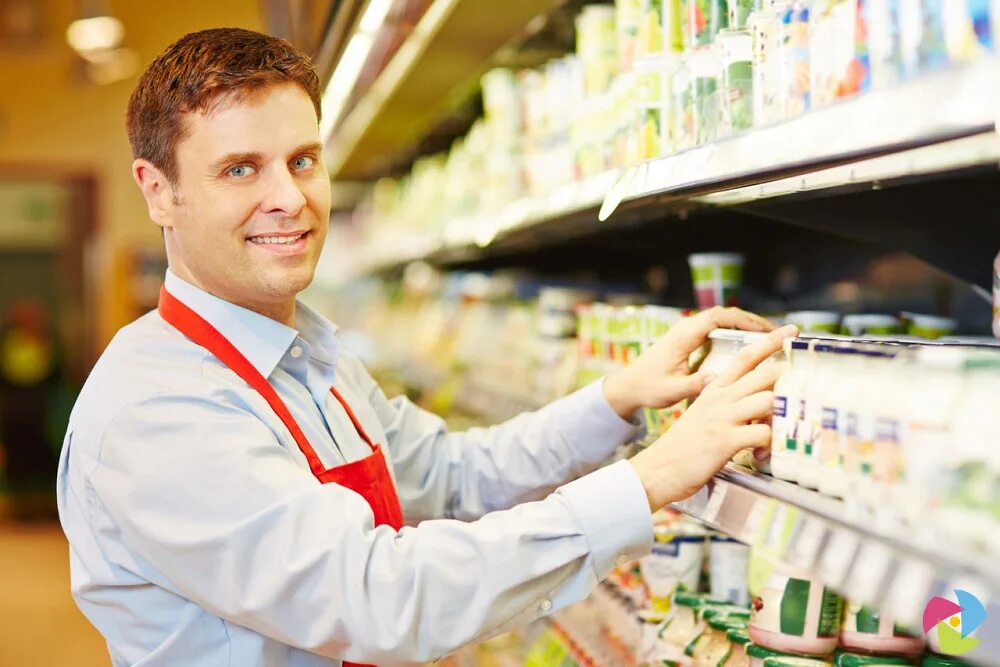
761,378
752,355
734,318
756,406
752,435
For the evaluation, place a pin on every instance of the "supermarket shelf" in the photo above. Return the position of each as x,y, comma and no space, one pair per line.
879,565
882,139
944,106
447,49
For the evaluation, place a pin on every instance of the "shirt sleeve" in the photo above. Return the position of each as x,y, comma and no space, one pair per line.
465,475
212,507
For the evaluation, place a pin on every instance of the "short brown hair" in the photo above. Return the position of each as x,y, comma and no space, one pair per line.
194,72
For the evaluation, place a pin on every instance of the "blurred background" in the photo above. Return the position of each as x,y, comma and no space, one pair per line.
496,167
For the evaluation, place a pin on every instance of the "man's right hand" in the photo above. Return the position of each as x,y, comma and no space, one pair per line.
730,414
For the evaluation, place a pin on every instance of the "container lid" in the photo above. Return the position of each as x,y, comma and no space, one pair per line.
871,320
943,661
728,610
687,599
735,335
814,316
703,258
857,660
755,651
795,661
728,622
738,636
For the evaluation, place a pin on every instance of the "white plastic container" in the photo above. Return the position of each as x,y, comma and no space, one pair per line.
840,420
785,451
930,407
728,562
674,563
872,631
820,378
815,631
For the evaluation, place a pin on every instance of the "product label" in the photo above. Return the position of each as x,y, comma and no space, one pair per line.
780,406
798,608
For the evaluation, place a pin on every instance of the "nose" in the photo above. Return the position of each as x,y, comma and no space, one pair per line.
282,195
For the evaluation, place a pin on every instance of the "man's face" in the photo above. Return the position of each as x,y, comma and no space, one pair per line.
252,199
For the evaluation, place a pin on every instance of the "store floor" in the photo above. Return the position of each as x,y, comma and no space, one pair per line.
39,623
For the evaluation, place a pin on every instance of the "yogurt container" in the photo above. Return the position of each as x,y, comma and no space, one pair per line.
738,640
788,390
737,80
728,562
763,24
674,563
794,59
931,660
705,99
833,397
814,321
869,630
929,326
758,654
868,659
818,383
870,323
684,623
717,278
714,648
796,614
796,662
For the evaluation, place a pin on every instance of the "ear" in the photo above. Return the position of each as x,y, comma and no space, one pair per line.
157,190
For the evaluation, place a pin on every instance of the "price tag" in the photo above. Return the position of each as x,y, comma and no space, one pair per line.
806,545
838,556
715,500
869,571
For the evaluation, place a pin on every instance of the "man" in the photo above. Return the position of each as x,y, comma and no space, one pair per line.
233,484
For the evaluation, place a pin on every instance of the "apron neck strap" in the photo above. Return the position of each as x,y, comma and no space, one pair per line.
195,327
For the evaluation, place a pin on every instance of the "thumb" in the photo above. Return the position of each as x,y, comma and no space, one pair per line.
680,387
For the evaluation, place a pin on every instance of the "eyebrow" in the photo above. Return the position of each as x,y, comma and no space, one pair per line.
254,156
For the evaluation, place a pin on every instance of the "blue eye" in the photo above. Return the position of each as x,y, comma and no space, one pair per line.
240,171
303,162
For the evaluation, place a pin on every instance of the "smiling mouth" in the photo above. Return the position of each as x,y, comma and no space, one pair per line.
277,239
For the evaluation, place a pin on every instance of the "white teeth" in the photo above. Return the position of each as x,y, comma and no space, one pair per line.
269,240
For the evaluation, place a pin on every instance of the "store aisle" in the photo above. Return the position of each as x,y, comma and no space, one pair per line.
39,623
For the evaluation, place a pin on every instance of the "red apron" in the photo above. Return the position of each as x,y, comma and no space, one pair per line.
368,477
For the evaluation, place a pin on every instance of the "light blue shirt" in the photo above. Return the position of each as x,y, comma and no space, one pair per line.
198,535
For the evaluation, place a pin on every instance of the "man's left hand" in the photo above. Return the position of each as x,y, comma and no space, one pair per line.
661,377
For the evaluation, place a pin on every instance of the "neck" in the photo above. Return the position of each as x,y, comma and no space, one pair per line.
280,312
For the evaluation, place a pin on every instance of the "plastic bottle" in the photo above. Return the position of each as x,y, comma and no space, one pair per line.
819,380
836,395
785,451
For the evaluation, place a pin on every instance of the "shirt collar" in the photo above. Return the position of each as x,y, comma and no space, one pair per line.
260,339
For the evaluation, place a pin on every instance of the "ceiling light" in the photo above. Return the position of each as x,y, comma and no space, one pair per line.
97,33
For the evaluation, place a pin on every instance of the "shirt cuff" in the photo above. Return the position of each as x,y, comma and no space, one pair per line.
613,510
592,425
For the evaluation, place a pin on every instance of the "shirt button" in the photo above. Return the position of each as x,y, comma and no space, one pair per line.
546,605
296,352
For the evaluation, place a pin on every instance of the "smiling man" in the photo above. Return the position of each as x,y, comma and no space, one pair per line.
234,485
